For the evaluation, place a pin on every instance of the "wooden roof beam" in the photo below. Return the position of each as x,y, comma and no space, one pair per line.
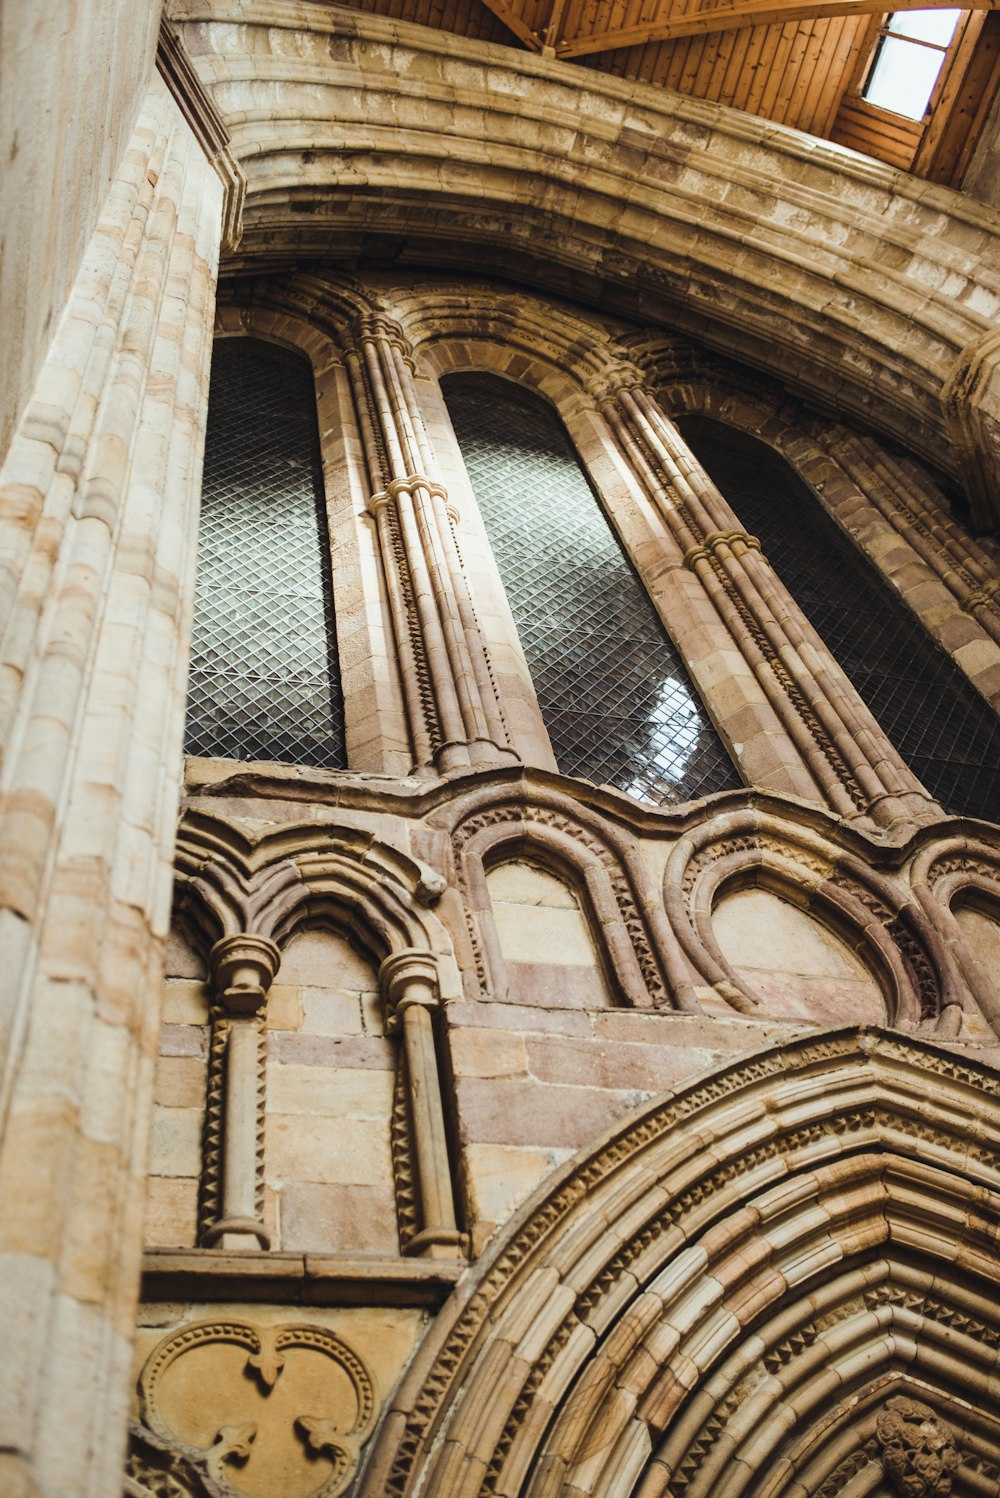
515,23
731,15
553,28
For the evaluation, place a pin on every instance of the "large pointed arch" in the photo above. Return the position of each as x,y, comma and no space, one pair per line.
789,1244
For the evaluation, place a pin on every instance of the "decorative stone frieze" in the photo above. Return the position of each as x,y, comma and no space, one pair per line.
889,930
637,947
232,1408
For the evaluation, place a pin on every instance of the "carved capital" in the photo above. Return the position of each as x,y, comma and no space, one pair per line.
717,539
606,387
242,970
377,328
409,977
918,1449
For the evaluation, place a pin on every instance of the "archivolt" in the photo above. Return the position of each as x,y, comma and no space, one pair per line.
310,874
890,932
722,1296
639,953
596,187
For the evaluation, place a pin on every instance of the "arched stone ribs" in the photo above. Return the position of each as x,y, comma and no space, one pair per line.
247,899
946,875
874,914
471,323
834,1247
638,952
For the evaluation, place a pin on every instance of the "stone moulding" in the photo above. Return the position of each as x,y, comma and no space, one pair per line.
233,1368
637,949
637,206
879,919
962,871
727,1290
208,127
872,492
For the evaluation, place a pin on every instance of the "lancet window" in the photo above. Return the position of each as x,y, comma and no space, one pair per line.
937,721
614,694
264,680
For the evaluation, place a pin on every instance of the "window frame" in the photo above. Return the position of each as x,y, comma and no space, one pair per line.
883,32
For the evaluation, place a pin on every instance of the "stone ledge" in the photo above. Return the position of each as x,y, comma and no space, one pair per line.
198,1274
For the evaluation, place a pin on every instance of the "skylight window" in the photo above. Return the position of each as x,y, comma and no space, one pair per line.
909,56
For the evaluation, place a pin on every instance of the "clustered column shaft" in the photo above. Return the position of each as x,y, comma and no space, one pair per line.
452,702
892,487
856,769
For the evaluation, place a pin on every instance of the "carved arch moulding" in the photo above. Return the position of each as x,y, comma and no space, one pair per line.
912,346
835,881
769,1280
242,900
877,495
601,862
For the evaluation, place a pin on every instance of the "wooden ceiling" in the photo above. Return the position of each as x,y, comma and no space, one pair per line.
798,62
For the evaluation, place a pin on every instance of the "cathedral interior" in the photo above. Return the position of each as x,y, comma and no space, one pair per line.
500,789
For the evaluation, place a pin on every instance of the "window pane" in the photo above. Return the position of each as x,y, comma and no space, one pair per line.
928,25
614,694
938,722
903,77
264,678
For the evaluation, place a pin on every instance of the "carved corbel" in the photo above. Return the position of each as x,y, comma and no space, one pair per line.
409,985
242,969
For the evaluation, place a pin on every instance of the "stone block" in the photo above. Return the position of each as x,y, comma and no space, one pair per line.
339,1219
325,1150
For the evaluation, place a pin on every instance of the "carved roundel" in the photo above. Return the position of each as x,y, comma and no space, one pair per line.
260,1410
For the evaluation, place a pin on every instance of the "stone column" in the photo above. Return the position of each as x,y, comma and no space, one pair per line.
98,526
854,767
242,969
453,706
408,981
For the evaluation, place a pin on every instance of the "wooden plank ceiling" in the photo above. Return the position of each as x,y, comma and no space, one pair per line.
798,62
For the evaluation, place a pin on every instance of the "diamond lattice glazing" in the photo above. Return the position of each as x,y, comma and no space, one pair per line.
616,700
264,678
938,722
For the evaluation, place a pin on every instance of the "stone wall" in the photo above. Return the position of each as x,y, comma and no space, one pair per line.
506,1130
73,82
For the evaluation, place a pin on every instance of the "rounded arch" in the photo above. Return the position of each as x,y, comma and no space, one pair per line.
893,508
786,1244
629,927
303,875
950,873
594,209
887,929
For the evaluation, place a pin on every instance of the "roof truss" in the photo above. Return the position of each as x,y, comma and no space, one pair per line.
679,18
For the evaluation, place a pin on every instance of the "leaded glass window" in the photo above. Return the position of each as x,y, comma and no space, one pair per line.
941,726
264,678
616,699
